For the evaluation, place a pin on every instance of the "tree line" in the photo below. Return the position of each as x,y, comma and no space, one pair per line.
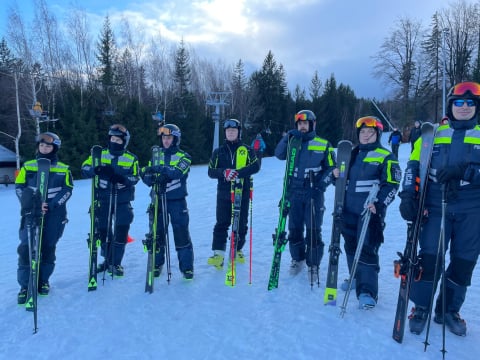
90,81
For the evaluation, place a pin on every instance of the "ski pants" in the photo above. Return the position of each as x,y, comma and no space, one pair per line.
368,264
224,218
53,226
462,235
306,211
113,230
177,211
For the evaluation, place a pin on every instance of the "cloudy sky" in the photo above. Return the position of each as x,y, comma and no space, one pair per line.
328,36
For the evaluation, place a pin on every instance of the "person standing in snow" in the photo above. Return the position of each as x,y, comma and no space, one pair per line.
454,177
60,186
316,155
118,173
394,141
415,133
258,144
370,164
171,176
231,160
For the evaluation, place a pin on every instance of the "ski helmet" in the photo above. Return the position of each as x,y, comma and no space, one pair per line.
49,138
463,91
171,129
306,115
233,124
121,132
370,121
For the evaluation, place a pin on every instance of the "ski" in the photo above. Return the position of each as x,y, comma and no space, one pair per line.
93,240
150,242
405,266
35,233
344,151
236,196
280,236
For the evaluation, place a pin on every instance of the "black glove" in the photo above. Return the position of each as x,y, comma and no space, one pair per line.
31,203
162,179
408,206
451,173
105,172
379,209
118,179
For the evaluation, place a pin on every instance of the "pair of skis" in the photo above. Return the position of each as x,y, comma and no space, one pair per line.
34,224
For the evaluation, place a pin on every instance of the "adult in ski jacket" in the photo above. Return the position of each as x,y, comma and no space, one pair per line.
232,160
370,164
60,186
315,157
415,133
258,145
171,176
454,175
394,141
118,174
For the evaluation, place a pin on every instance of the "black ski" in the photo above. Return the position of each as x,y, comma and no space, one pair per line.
237,192
35,233
406,265
280,236
344,151
94,241
150,242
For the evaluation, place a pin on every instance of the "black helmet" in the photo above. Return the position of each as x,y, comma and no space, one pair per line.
49,138
233,124
306,115
370,121
464,90
171,129
120,131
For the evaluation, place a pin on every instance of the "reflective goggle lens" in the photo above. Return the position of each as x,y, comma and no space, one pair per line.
46,139
461,102
300,117
462,88
369,121
230,124
164,131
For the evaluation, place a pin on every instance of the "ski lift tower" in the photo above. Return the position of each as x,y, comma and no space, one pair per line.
217,99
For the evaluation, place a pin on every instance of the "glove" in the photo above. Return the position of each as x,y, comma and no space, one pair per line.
379,208
408,206
105,172
118,179
162,179
230,174
31,203
451,173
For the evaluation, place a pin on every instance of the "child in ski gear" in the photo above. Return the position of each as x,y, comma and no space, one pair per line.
370,164
171,175
315,156
60,186
453,176
394,140
231,160
118,174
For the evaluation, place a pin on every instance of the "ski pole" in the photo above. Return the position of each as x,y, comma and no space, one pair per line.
163,198
251,229
109,233
366,214
440,255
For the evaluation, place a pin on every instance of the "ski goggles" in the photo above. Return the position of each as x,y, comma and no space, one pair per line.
463,88
301,117
163,130
369,121
231,124
117,130
461,102
48,139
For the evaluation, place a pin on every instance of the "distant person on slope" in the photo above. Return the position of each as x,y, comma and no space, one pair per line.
370,164
231,160
394,141
258,144
415,133
315,155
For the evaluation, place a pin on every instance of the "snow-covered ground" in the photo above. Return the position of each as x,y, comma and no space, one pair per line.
204,319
